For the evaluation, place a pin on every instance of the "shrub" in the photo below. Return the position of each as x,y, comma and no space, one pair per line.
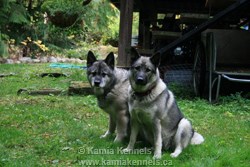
3,47
63,13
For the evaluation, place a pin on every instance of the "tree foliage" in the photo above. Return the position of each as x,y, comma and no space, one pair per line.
96,22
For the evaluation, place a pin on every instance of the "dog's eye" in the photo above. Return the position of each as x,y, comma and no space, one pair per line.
104,74
93,73
148,69
137,68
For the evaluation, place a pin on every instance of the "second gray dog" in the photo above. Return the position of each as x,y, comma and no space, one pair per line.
110,86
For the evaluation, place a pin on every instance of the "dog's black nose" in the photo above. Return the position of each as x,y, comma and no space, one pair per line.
140,81
97,82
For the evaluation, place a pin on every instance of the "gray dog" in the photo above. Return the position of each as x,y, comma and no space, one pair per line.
110,86
154,111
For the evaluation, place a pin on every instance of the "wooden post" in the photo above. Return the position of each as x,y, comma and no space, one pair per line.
147,18
125,32
145,26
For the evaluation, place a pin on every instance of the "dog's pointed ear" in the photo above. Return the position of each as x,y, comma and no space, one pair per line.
156,59
90,59
134,55
110,60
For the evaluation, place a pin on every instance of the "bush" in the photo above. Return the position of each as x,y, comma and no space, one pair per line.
63,13
97,23
3,48
68,7
102,19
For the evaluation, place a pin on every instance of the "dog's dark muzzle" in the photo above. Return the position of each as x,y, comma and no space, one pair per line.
141,80
97,82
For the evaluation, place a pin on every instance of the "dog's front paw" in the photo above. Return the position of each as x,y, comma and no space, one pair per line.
105,135
118,139
174,154
157,156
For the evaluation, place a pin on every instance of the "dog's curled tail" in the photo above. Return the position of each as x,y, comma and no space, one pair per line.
197,139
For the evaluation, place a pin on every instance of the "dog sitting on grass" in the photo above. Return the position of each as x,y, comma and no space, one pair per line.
110,86
154,111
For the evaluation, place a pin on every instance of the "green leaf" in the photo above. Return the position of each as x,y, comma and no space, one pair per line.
19,14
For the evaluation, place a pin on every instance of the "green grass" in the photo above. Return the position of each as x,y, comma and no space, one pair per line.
64,130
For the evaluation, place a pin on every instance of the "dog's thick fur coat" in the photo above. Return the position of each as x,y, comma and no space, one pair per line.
154,111
110,86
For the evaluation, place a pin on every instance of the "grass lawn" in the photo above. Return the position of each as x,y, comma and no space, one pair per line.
64,130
